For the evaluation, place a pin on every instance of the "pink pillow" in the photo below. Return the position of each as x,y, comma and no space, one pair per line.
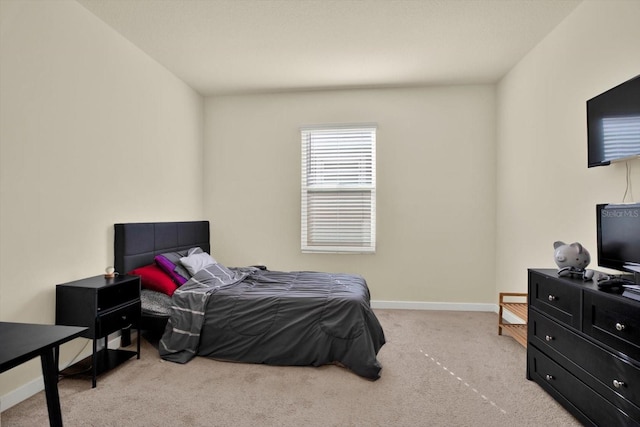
152,277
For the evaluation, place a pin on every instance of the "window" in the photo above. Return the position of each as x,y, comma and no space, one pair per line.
339,189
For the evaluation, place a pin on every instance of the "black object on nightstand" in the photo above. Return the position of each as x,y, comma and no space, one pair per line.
104,305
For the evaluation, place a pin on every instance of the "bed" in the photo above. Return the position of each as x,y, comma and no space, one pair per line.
251,314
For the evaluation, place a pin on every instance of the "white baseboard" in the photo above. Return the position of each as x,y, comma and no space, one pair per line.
423,305
21,393
445,306
511,318
37,385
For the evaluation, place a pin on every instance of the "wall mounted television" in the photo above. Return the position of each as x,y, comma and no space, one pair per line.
613,124
618,237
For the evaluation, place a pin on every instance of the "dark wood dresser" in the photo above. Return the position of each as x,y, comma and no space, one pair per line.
584,348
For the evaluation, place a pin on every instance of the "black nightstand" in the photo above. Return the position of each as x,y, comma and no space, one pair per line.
104,305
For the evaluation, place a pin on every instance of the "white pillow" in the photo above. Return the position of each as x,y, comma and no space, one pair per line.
196,262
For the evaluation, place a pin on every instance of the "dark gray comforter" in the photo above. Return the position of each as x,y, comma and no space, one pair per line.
276,318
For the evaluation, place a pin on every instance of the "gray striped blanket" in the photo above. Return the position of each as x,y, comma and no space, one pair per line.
277,318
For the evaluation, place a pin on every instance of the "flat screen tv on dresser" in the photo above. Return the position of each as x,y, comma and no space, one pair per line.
619,237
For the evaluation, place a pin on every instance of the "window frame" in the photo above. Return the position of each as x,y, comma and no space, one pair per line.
358,187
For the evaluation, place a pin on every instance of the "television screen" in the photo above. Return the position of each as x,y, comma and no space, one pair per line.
613,124
619,237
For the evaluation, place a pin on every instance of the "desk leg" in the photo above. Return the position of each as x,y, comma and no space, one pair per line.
56,359
50,374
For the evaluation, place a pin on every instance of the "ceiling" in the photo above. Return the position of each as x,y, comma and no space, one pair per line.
246,46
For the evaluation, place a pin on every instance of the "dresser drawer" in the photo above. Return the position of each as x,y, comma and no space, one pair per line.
559,301
571,391
118,318
614,378
613,321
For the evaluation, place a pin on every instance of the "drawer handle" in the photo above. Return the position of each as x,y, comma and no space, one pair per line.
620,326
548,377
548,338
552,298
618,384
124,317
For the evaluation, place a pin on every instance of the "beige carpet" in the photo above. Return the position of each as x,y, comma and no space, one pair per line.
439,369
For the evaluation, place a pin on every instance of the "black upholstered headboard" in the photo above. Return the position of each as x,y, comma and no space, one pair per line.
136,244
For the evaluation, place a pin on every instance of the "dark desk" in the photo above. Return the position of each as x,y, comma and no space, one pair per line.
21,342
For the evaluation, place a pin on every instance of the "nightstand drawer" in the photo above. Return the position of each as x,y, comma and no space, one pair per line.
117,294
556,300
605,372
562,384
613,321
116,319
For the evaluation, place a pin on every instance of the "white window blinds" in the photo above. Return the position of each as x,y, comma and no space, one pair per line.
339,189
